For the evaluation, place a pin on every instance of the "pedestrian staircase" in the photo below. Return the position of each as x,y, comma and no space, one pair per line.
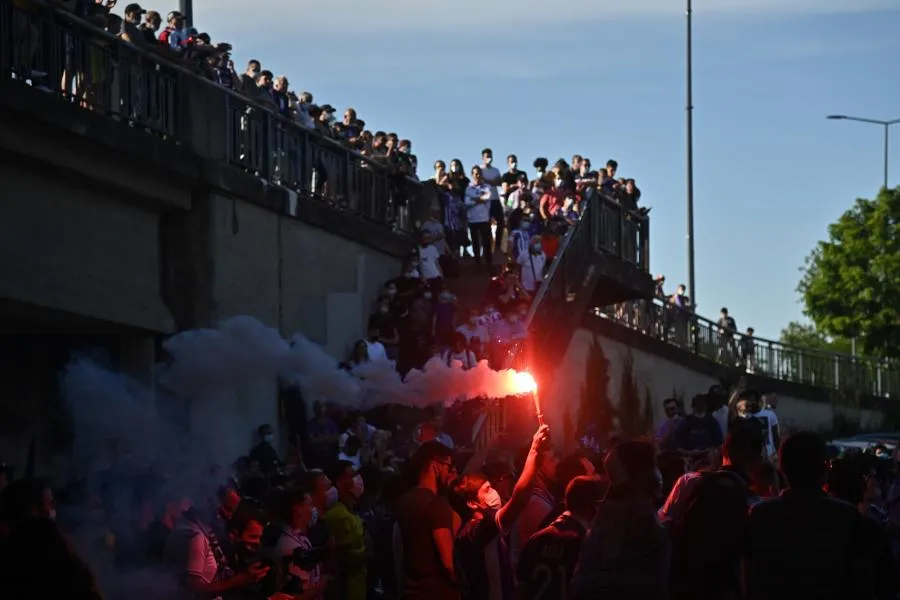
603,260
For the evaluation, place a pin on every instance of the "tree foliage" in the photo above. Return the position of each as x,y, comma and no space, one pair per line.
596,407
851,282
805,335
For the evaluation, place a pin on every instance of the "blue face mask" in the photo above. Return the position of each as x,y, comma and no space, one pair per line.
269,438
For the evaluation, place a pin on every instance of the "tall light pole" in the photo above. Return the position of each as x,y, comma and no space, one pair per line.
887,126
186,7
689,109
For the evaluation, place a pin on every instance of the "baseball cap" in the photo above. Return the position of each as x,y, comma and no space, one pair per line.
134,7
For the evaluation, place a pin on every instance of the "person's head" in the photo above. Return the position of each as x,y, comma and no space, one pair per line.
540,165
765,480
346,480
404,146
229,500
456,166
152,21
512,162
770,401
611,167
349,117
629,186
425,238
502,478
724,312
699,405
434,462
298,509
27,498
280,84
265,79
383,305
582,495
360,351
440,167
477,492
459,342
747,402
743,446
476,175
245,529
133,13
266,433
670,406
487,156
632,469
803,459
577,160
175,19
682,290
321,491
572,466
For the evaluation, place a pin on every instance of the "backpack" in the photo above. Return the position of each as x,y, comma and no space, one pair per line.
707,538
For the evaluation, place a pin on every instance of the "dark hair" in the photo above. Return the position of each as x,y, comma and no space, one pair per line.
467,486
267,73
352,445
582,494
612,163
338,469
243,516
512,157
291,498
430,452
263,428
541,163
487,151
743,443
802,459
569,468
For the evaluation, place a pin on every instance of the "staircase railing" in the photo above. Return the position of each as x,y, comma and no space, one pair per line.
606,227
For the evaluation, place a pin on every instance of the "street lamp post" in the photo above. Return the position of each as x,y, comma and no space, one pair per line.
689,109
186,7
885,124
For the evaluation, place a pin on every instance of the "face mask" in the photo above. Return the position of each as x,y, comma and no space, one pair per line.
488,161
537,248
492,499
558,183
331,497
314,518
358,486
454,169
385,309
404,150
513,166
525,225
427,295
268,438
330,120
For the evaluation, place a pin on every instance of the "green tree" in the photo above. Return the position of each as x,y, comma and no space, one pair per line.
851,282
631,418
648,411
805,335
595,407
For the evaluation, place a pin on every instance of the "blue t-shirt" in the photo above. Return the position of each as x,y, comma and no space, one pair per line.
698,433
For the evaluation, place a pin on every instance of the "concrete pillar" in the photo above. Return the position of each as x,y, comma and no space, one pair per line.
137,357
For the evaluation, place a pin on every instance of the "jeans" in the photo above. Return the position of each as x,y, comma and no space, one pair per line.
481,241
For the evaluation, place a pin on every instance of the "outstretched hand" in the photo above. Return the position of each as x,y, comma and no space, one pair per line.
541,437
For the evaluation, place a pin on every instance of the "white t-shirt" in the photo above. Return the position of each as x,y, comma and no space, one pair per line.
189,552
491,174
376,350
428,262
466,358
437,231
289,541
532,269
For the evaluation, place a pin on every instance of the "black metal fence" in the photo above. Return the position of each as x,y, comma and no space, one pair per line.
61,55
866,375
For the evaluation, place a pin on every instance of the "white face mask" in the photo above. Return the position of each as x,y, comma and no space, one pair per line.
268,438
427,295
331,497
513,165
492,499
488,161
358,486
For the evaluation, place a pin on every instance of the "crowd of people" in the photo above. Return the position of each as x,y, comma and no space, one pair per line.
504,225
717,507
176,40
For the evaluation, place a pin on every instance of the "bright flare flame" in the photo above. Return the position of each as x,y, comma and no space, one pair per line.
525,383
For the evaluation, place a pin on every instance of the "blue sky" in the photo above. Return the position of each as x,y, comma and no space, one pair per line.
539,79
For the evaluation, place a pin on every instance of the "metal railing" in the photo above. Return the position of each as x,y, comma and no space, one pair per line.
61,55
857,374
